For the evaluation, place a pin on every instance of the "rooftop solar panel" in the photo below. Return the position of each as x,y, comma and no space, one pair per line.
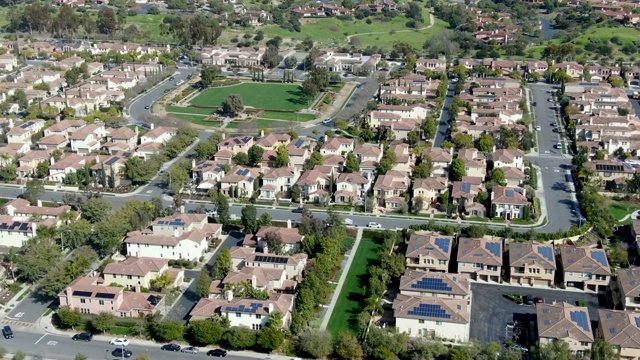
430,310
493,248
600,257
239,172
105,296
82,293
299,143
271,259
546,252
443,243
466,187
580,318
431,284
637,321
509,193
112,161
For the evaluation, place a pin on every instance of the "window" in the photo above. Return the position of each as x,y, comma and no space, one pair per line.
101,302
129,277
438,322
258,316
82,301
548,271
421,321
582,343
238,314
442,262
534,271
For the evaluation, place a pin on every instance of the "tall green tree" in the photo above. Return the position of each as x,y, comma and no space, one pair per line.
255,155
203,285
351,164
249,219
33,191
222,208
318,344
602,350
458,169
206,332
282,157
208,75
222,265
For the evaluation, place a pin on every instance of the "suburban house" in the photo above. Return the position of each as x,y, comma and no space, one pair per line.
421,316
514,176
240,181
90,296
621,329
532,263
405,160
22,210
270,280
22,133
291,239
335,161
508,158
480,258
430,189
566,322
180,236
299,151
440,160
87,139
429,252
351,187
59,170
52,142
368,155
236,144
206,174
253,314
463,193
140,271
337,146
160,134
436,284
389,189
509,203
121,139
314,184
475,162
611,173
29,161
15,232
293,265
274,141
110,168
626,289
65,127
277,181
585,268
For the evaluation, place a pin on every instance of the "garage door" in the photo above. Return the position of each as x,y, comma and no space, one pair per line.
541,282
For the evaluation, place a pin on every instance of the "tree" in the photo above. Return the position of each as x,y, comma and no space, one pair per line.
618,255
348,347
39,256
463,140
233,104
241,159
208,75
42,170
603,350
206,332
168,331
557,350
316,158
203,285
69,318
417,205
139,171
205,150
103,322
81,357
429,127
351,164
317,343
282,157
274,243
486,143
270,338
33,191
265,219
250,219
255,155
458,169
497,176
223,264
222,207
413,137
106,22
239,338
96,209
423,170
290,62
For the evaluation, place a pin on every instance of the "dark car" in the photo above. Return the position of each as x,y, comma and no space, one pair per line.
171,347
528,299
298,210
82,337
171,78
217,353
148,107
535,103
118,352
7,332
538,300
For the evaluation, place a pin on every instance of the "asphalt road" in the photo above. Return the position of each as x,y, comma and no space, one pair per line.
443,126
492,311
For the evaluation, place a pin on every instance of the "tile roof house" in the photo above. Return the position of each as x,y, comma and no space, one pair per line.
299,151
429,252
22,210
335,161
480,258
626,289
509,203
52,142
15,232
160,134
65,127
291,239
21,133
314,184
532,263
87,139
514,176
585,268
436,284
421,316
405,159
440,159
611,173
621,329
121,139
368,155
350,187
274,141
293,265
337,146
206,174
389,189
463,194
475,162
111,168
236,144
430,189
270,280
30,160
566,322
253,314
240,180
90,296
277,181
59,170
140,271
508,158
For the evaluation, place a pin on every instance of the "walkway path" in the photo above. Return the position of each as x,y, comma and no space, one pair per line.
343,277
432,22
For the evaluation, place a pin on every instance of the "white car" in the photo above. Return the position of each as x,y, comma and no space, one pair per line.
119,342
374,225
538,128
326,121
348,221
559,146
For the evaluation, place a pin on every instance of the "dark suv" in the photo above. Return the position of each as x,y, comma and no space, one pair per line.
119,352
83,337
7,332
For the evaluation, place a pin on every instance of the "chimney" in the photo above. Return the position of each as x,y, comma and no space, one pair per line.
265,249
52,161
289,224
451,151
69,291
34,229
136,129
182,209
97,159
39,203
224,136
228,295
254,280
193,163
138,288
176,233
271,308
152,126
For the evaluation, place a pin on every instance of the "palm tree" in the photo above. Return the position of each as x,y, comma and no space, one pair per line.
585,174
9,260
47,232
373,305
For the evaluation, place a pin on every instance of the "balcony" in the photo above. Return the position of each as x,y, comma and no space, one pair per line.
518,271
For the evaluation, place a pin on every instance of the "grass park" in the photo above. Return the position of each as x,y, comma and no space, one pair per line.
619,209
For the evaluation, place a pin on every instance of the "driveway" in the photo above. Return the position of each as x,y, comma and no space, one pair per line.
491,311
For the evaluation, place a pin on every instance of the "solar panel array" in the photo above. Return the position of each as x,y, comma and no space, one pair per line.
443,243
105,296
431,284
493,248
600,257
15,226
82,293
546,252
112,160
299,143
603,167
509,193
252,308
466,187
430,310
271,259
580,318
637,321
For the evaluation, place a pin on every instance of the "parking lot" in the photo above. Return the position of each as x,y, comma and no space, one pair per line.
491,311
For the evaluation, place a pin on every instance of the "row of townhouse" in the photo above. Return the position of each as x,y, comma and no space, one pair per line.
20,221
64,46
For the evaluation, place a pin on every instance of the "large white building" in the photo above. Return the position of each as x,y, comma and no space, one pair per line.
15,233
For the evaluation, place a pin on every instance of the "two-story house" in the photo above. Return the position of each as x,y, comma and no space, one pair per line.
389,189
21,134
160,134
87,139
227,148
585,268
626,289
206,174
90,296
440,160
140,271
110,168
121,139
429,252
566,322
337,146
22,210
480,258
351,187
621,329
299,151
314,184
71,163
293,265
29,161
277,181
180,236
475,162
290,238
503,158
463,194
368,155
240,181
65,127
251,313
405,159
273,141
532,263
509,203
436,284
15,232
270,280
430,189
421,316
611,174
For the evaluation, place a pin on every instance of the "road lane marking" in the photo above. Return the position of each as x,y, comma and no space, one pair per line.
42,337
52,343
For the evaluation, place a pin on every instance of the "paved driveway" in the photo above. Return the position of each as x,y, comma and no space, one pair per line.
491,311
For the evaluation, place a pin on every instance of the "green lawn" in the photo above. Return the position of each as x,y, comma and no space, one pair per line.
189,110
345,314
415,38
149,26
275,115
195,119
620,210
257,95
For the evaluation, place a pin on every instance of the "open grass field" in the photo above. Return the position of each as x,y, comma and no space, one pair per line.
274,115
345,314
257,95
620,210
415,38
195,119
149,25
189,110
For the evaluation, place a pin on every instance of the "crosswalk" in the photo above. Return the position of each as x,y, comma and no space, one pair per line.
16,323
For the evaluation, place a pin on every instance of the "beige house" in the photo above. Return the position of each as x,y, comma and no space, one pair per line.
240,180
140,271
314,184
389,189
611,173
475,162
532,263
337,146
277,181
430,189
626,289
293,265
480,258
440,158
271,280
509,203
351,187
622,330
585,268
121,139
436,284
236,144
291,239
432,317
429,252
508,158
274,141
566,322
65,127
464,192
206,174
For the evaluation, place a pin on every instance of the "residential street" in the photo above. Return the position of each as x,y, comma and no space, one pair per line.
443,124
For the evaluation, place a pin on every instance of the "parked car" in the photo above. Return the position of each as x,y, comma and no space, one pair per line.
326,121
7,332
558,146
211,213
119,342
528,300
170,347
374,225
298,210
148,107
217,353
554,124
538,300
535,103
517,346
190,350
348,221
171,78
119,352
82,337
538,128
